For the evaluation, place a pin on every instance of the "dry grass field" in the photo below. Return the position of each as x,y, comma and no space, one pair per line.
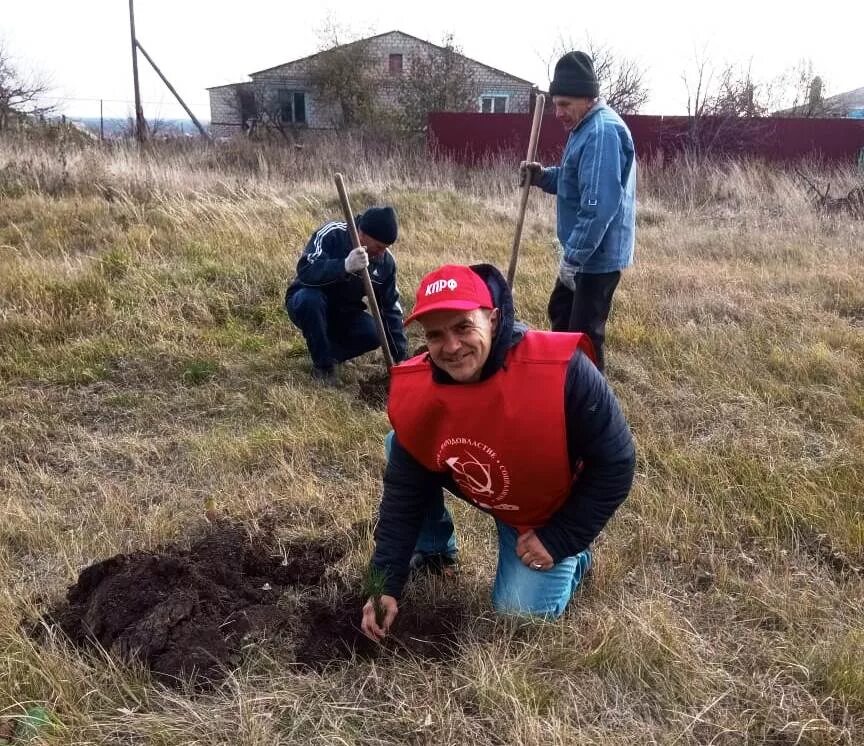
146,367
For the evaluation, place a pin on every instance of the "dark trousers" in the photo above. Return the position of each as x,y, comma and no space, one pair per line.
332,335
584,309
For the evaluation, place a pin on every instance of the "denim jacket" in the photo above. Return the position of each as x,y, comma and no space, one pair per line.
596,189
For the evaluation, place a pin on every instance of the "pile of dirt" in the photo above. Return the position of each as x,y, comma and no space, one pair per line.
187,613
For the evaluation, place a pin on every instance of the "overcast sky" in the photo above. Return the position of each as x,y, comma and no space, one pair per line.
84,47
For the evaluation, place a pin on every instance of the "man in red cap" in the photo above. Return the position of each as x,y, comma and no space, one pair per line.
518,423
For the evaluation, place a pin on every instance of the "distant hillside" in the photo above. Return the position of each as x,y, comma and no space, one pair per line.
118,127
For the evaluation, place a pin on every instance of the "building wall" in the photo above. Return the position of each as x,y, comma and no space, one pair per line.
224,112
489,81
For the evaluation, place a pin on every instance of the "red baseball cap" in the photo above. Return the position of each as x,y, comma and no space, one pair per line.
453,287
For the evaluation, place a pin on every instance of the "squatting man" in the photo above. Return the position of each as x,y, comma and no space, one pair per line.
326,299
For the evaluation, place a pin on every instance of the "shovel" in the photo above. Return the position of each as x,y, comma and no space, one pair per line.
367,281
539,104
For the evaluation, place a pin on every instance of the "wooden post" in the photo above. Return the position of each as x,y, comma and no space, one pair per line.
140,123
176,95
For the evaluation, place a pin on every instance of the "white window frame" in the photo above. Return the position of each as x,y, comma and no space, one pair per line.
505,96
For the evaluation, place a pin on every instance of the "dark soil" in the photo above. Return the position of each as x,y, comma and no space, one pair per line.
421,630
373,390
187,614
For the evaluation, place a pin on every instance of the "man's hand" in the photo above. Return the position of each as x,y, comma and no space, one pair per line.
530,170
532,553
567,275
370,626
357,260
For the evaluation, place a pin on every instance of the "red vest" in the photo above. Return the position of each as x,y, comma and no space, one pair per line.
504,440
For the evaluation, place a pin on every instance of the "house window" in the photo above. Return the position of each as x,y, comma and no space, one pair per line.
292,107
299,107
493,104
395,64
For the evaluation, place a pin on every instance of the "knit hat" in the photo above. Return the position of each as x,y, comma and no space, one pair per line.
574,76
452,287
379,223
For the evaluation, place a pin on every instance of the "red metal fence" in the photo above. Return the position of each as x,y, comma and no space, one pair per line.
473,137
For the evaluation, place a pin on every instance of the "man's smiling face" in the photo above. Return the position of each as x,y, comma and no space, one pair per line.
459,342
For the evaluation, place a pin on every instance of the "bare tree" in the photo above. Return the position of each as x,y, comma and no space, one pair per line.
730,91
700,84
622,79
801,92
718,96
343,75
738,94
20,93
441,80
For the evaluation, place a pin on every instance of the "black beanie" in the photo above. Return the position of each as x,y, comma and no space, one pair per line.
379,223
575,77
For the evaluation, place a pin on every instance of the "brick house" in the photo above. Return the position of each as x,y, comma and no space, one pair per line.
234,106
848,104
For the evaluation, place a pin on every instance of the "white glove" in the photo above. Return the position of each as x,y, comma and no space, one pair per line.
357,260
567,275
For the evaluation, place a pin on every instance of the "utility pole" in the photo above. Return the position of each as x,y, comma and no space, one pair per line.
140,123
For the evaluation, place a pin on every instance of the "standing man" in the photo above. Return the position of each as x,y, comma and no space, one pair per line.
518,423
596,207
325,301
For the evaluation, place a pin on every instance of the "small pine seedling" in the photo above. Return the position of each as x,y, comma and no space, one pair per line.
373,587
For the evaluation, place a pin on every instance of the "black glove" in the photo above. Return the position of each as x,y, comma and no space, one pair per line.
530,170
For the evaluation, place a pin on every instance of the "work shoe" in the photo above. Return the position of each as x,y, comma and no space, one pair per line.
325,376
434,564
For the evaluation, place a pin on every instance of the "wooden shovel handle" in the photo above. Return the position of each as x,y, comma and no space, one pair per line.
367,281
539,104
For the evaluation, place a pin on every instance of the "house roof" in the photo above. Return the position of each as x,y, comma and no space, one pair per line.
838,105
845,101
388,33
226,85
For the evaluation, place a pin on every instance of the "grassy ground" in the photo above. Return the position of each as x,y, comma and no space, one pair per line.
145,365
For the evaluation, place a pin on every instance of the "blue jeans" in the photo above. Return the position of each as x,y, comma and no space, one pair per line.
332,335
518,589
